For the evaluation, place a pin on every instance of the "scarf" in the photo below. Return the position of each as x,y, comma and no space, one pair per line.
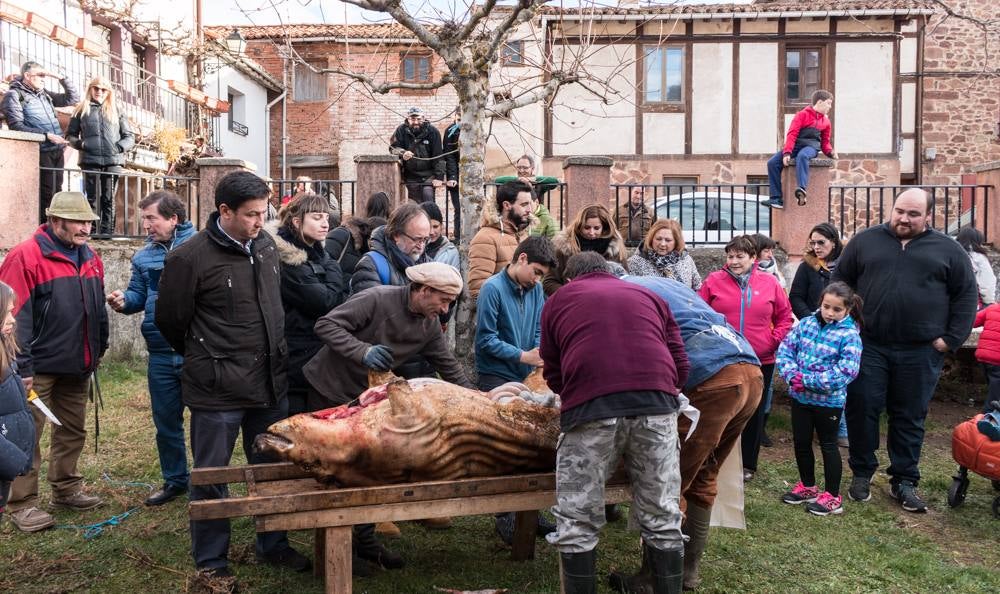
666,264
402,259
741,279
599,245
432,247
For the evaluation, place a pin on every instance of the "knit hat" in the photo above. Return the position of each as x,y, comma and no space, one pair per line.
436,275
432,210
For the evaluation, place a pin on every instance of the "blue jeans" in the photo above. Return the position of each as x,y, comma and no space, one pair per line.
900,380
775,165
164,375
213,437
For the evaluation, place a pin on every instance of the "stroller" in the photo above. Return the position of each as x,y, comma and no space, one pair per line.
975,446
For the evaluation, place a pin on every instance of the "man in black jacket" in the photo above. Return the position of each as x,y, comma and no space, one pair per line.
28,107
220,307
418,144
452,154
920,301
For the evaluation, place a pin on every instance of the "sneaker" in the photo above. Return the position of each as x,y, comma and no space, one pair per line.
289,558
32,519
774,202
748,475
861,488
79,501
906,495
800,494
800,196
826,504
504,525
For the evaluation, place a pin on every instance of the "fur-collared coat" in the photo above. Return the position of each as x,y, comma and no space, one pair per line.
492,248
567,245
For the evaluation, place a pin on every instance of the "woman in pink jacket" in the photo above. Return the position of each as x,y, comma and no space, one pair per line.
756,305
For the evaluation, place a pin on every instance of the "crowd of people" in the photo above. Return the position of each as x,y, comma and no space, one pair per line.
248,321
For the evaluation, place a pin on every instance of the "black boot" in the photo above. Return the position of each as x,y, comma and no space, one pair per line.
370,549
578,572
612,513
640,583
668,570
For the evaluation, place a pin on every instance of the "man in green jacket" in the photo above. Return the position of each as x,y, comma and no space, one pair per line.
525,167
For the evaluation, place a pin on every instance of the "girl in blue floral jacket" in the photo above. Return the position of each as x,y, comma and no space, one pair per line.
818,358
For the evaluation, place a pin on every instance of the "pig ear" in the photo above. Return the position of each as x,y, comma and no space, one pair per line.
380,378
401,398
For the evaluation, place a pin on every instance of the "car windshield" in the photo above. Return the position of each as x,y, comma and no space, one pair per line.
711,213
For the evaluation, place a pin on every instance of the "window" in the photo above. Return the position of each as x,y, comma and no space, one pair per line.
677,185
237,113
416,69
664,74
512,53
803,73
758,183
309,85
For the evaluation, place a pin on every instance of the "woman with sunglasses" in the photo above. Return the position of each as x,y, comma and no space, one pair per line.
102,135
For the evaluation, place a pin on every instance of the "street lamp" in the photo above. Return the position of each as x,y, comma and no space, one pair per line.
235,42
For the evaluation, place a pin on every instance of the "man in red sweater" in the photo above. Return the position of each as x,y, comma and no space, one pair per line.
808,134
613,352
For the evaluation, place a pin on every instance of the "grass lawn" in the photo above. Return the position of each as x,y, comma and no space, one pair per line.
872,547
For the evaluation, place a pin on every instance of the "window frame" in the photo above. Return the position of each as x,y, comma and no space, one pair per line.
508,53
821,79
417,57
664,100
299,96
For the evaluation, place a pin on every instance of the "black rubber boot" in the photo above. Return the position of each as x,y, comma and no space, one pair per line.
367,547
578,572
696,524
640,583
668,570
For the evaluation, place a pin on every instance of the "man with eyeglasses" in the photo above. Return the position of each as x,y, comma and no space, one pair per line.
29,107
418,144
395,246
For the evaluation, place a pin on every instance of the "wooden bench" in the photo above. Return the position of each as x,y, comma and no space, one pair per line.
284,497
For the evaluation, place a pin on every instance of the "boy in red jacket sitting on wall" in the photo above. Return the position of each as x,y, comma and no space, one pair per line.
808,134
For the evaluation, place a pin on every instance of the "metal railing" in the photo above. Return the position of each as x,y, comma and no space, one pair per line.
855,208
142,96
709,214
340,192
130,188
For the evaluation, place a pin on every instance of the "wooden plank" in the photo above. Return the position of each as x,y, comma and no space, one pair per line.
290,487
523,544
234,474
251,483
333,498
338,560
416,510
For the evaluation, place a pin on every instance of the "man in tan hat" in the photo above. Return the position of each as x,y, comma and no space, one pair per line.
61,346
380,328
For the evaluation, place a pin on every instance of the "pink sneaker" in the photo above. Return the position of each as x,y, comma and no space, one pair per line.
800,494
826,504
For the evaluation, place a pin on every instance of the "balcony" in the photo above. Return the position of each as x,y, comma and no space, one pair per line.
238,128
143,97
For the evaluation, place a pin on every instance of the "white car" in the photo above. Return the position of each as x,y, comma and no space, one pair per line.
710,217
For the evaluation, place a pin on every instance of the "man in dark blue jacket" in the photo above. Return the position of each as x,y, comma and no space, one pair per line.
28,107
164,220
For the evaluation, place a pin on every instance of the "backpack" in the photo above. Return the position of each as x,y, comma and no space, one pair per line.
381,266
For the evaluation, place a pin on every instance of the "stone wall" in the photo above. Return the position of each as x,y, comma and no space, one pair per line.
961,106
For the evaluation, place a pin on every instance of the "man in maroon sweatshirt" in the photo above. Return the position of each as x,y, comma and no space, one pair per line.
613,352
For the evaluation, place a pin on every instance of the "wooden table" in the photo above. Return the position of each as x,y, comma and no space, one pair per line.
284,497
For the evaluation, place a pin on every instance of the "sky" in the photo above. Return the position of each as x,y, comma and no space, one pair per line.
274,12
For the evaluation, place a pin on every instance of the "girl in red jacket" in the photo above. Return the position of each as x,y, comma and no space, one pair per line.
756,305
988,351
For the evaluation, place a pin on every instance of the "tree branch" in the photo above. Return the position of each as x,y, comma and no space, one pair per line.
383,88
523,11
394,8
478,14
544,92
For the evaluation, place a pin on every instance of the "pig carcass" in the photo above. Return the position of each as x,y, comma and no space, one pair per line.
421,430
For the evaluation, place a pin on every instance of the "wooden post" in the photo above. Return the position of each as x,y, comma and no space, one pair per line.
790,225
337,562
376,173
210,171
18,186
523,544
319,552
588,181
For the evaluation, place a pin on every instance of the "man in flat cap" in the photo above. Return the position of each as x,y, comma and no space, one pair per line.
381,327
62,329
418,144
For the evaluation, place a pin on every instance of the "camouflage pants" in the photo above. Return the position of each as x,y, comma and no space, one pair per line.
589,453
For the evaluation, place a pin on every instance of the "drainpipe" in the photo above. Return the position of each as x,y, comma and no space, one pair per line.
267,132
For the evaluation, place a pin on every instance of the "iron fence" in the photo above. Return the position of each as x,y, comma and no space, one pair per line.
855,208
340,192
708,214
130,188
142,96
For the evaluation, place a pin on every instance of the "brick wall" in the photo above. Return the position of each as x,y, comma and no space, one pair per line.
960,113
350,118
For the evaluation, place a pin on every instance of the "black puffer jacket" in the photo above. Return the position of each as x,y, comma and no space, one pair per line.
220,307
17,426
28,110
452,155
810,279
346,244
311,285
101,143
425,145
